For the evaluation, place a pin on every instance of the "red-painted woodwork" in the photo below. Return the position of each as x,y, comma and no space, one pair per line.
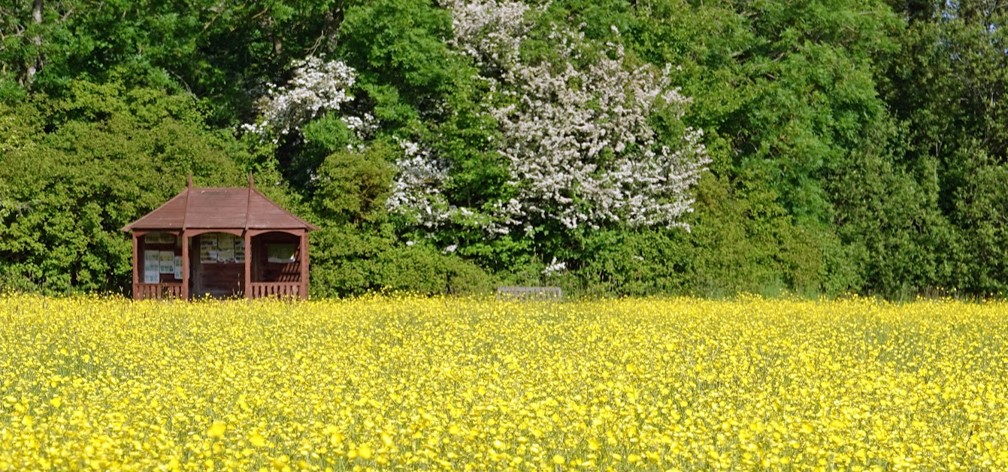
255,220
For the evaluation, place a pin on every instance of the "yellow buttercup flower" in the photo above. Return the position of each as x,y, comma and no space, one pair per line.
256,439
217,429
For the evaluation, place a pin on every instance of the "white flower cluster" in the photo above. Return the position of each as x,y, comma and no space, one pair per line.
555,267
417,195
579,144
316,86
489,31
363,126
582,151
416,191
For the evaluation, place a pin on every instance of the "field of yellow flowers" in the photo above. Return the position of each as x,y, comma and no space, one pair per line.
409,383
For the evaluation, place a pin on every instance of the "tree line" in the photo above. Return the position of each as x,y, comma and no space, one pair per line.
617,147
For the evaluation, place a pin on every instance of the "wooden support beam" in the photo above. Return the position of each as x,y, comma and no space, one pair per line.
136,263
304,265
185,264
247,236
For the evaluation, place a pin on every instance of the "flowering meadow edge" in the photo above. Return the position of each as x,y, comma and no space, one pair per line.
420,383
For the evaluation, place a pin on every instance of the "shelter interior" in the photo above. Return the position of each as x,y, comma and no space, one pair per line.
217,262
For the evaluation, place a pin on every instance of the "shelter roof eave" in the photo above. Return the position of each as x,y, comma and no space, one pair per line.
230,208
156,219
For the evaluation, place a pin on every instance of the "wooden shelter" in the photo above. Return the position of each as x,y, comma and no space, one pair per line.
220,242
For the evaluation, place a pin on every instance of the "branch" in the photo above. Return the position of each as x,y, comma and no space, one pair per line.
37,41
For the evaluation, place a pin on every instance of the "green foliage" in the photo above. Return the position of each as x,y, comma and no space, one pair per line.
947,89
423,268
981,216
353,262
353,186
75,169
357,249
857,145
397,46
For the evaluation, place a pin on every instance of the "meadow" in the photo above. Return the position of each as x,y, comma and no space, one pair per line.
410,383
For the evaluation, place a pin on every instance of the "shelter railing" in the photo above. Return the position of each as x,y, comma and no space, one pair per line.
276,289
158,291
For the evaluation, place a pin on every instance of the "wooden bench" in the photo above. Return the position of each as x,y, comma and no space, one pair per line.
530,293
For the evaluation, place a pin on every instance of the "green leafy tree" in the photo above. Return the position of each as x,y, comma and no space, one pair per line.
947,88
75,169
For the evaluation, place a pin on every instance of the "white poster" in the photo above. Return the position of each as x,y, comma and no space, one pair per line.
167,262
281,253
159,238
178,267
152,275
208,248
225,247
239,250
152,266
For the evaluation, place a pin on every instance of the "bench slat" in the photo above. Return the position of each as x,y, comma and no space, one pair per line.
529,293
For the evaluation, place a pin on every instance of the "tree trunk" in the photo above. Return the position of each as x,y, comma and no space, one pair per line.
35,66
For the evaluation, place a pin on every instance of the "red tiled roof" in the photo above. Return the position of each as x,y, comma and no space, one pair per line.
219,208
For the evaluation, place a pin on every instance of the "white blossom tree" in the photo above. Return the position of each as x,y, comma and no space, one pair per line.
578,140
582,150
416,191
490,31
317,86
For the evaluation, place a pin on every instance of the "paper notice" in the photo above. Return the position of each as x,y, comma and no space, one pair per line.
152,275
208,248
166,262
239,250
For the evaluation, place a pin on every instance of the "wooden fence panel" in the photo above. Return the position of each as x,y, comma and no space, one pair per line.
158,291
276,289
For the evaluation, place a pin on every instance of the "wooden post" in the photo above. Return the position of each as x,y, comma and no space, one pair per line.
304,265
248,262
136,275
185,241
185,264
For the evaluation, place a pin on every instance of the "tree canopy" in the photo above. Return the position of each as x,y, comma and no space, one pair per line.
610,147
